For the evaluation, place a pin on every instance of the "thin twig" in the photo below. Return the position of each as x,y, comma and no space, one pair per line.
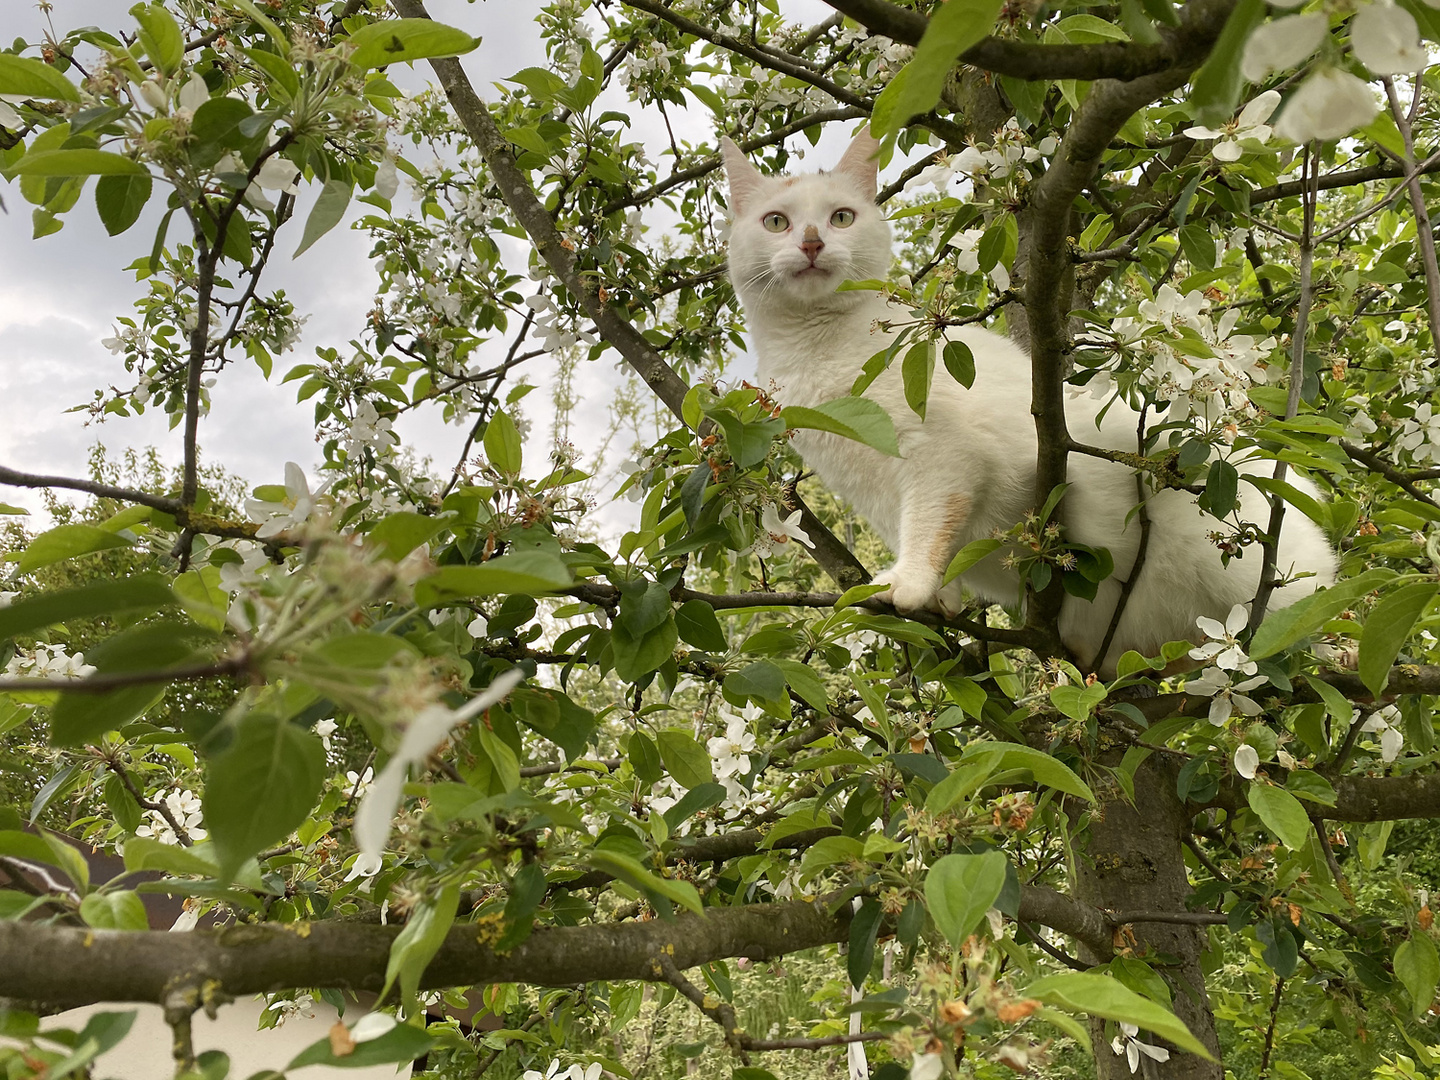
160,806
1424,235
1376,463
1270,545
719,1011
1270,1030
99,684
1127,587
1331,861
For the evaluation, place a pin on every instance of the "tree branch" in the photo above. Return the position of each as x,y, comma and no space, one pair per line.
1188,43
515,188
65,967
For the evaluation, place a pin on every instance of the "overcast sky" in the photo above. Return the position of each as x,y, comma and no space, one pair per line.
59,296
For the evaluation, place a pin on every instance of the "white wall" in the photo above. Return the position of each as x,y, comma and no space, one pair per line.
145,1052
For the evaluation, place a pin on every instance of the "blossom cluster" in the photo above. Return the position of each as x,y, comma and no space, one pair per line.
48,662
184,807
1201,366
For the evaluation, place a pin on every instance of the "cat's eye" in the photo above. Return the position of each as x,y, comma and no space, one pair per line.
775,222
843,218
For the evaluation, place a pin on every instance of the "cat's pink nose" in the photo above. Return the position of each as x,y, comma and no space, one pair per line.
812,244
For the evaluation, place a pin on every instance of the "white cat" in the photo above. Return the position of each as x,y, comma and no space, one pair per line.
968,470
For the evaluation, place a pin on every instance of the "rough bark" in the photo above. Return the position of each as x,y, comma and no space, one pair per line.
1132,860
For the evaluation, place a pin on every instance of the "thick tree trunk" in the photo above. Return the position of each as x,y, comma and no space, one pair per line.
1133,860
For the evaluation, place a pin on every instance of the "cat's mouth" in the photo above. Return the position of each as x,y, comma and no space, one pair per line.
811,269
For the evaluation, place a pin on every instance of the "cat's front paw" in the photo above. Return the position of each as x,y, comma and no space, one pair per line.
907,591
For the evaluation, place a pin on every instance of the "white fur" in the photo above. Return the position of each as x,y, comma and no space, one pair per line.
968,470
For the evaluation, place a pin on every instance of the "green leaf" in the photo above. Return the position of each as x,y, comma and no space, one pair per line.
692,802
806,683
26,77
748,444
114,911
645,759
954,27
160,36
1222,487
960,363
1078,702
698,625
916,370
78,162
1418,968
687,761
402,532
959,889
66,542
502,444
1282,814
1283,628
856,418
1104,996
399,1045
261,788
328,211
140,594
217,121
1046,769
404,40
1387,628
864,927
532,572
146,853
119,200
417,944
636,657
153,647
1215,89
633,873
969,555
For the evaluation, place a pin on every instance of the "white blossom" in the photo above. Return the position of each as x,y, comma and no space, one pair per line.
366,866
1250,124
357,785
1329,104
193,94
276,518
783,530
1386,39
1392,739
1281,45
1421,434
731,752
299,1005
1128,1045
369,429
387,182
184,807
552,1073
372,1026
1247,760
926,1067
48,662
378,808
1224,650
1229,696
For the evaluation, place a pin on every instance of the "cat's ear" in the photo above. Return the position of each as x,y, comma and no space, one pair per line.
744,178
859,161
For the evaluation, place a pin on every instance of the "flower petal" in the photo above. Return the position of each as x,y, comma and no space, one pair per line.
1328,104
1280,45
1387,40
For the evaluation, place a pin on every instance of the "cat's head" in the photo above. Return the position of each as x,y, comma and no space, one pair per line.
793,239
